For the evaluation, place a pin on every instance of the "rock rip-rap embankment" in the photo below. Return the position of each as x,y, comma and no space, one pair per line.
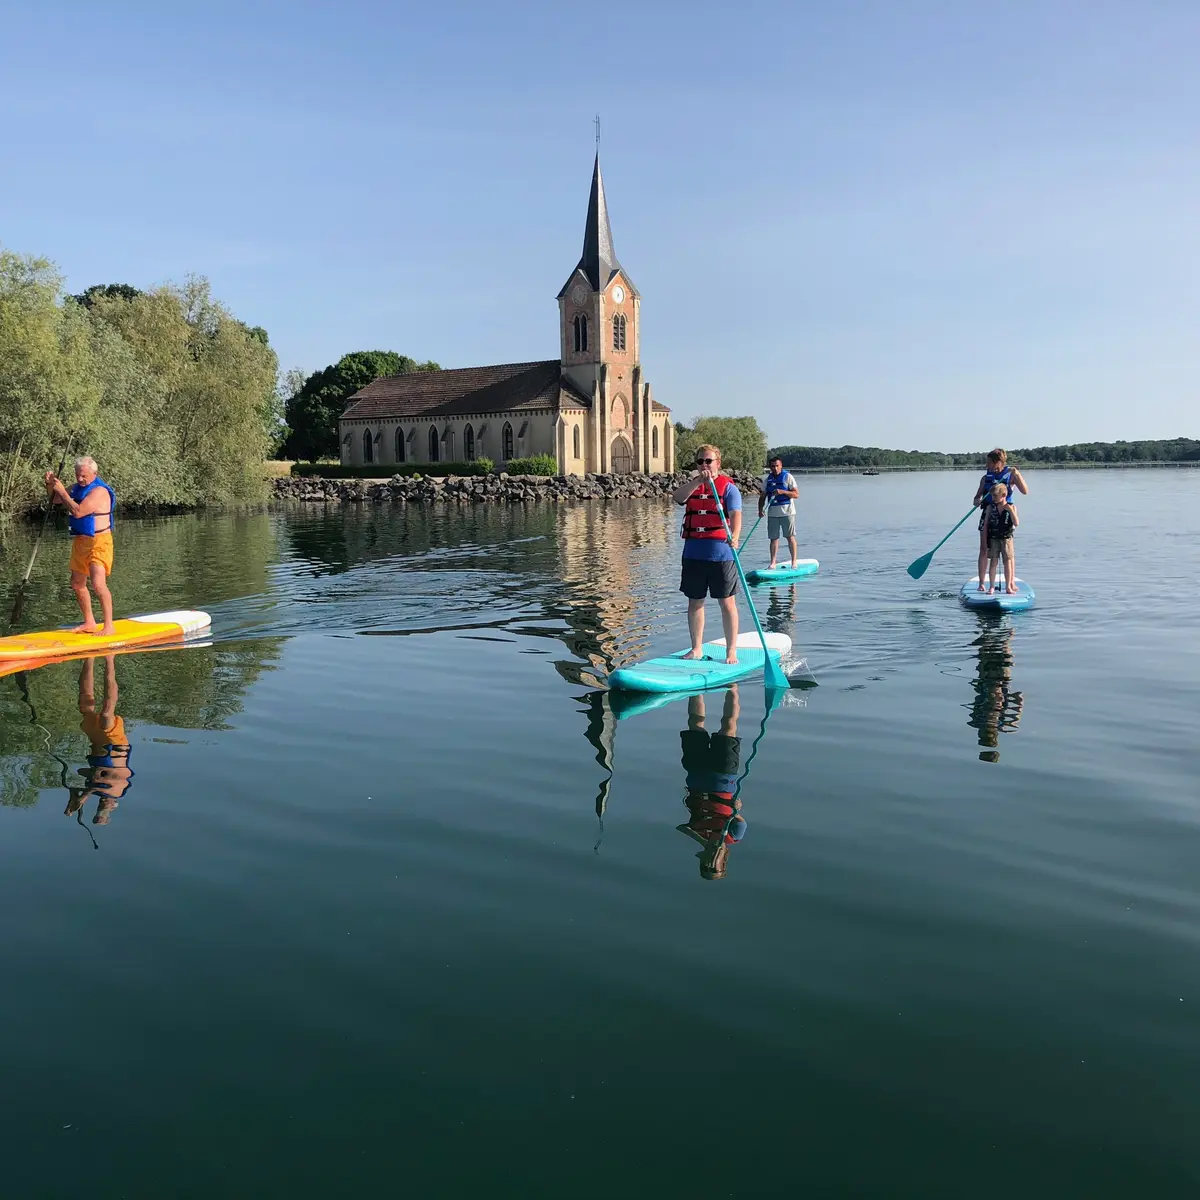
488,489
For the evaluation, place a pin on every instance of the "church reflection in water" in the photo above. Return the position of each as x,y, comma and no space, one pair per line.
996,708
610,606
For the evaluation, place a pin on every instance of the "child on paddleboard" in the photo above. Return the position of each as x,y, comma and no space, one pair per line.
998,471
1000,519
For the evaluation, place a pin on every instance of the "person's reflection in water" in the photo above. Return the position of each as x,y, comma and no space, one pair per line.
711,762
781,610
996,708
108,775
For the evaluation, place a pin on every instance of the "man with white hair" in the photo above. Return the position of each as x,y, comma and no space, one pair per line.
90,503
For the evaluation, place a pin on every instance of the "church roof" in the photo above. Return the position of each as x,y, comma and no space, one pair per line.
506,387
599,260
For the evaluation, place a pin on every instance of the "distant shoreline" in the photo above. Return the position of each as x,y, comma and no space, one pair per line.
979,467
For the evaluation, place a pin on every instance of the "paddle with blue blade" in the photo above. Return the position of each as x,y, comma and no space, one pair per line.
773,672
918,568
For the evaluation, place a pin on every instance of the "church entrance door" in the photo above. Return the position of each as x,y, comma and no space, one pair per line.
622,456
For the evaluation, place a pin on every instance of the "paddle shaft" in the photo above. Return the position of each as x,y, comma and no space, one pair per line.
772,671
19,602
952,532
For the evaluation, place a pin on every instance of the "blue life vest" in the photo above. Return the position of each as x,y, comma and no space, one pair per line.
990,479
86,526
773,485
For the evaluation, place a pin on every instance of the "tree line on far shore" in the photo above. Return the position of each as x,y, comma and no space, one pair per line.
1165,450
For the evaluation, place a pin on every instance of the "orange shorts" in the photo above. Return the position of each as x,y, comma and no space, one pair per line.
86,550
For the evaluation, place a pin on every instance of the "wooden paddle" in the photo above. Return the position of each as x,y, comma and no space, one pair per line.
772,671
918,568
19,601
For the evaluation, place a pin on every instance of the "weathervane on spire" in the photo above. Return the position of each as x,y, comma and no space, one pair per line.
596,122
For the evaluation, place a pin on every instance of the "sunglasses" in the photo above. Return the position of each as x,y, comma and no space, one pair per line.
704,462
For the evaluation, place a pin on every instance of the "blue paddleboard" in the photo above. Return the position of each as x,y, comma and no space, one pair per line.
972,597
674,673
805,566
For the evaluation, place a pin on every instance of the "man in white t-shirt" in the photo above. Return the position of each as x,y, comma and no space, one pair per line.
778,500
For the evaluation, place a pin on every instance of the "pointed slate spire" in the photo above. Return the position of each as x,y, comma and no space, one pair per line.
599,259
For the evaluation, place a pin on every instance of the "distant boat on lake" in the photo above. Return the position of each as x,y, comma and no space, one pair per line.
871,471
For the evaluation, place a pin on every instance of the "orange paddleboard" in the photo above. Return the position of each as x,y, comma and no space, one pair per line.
133,631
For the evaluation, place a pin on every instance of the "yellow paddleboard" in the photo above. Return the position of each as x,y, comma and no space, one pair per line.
60,643
17,665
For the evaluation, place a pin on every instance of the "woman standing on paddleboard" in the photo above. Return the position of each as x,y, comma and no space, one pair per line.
90,503
998,471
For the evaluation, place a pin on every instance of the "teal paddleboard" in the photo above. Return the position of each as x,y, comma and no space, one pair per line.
674,673
806,566
1000,600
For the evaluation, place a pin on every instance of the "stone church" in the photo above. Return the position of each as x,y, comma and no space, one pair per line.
591,407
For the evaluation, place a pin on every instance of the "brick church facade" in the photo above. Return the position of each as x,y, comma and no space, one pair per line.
591,408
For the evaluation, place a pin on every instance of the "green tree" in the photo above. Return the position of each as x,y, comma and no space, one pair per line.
106,291
174,397
314,411
48,387
742,443
216,386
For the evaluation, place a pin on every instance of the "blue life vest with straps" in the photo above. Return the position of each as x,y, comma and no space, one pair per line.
776,487
990,479
86,526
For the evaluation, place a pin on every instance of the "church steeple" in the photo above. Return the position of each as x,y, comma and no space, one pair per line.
598,260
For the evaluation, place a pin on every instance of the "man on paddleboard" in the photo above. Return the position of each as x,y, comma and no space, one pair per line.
708,566
90,502
780,493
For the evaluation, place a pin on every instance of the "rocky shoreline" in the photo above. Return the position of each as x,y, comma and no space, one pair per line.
487,489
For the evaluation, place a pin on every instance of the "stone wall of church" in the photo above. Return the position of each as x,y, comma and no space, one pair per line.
459,439
482,435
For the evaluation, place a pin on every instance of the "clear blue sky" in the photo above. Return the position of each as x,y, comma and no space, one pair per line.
935,225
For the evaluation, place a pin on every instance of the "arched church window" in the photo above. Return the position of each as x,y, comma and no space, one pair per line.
399,445
654,442
506,442
469,444
619,331
368,447
580,333
434,444
575,442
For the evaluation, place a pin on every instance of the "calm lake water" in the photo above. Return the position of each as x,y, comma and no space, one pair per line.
397,902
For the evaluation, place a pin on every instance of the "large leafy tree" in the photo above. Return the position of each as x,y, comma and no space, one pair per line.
313,409
742,443
174,396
